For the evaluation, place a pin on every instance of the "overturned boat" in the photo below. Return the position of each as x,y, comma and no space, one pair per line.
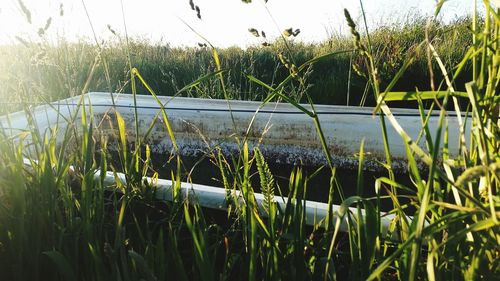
283,133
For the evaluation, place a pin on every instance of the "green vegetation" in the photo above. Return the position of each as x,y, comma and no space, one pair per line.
60,220
51,72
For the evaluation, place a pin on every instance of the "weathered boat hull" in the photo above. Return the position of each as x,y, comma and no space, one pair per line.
284,133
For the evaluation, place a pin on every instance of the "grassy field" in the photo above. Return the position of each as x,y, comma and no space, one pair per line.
60,219
38,69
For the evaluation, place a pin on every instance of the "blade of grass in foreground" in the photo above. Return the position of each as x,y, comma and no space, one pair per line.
62,264
195,224
423,95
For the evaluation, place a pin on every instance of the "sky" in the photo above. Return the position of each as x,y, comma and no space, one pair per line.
223,22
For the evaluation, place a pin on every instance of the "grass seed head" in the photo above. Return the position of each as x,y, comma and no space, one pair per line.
111,30
288,32
354,32
47,24
22,41
198,12
471,174
254,32
25,11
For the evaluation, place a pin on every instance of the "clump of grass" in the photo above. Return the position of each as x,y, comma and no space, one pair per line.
444,229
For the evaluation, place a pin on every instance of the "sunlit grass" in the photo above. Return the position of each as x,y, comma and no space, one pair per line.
42,70
61,217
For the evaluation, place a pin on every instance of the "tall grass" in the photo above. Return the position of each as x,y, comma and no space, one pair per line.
61,218
51,71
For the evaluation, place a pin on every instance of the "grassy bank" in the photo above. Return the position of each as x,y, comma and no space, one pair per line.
38,69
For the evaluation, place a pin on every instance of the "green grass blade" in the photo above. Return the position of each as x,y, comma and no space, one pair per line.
423,95
62,264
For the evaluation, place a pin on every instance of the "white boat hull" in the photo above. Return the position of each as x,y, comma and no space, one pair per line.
283,133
